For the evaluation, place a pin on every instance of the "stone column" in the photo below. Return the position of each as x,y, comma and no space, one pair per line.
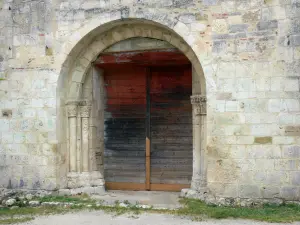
79,169
85,114
199,179
72,114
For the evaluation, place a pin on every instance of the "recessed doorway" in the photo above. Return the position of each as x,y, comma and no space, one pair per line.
148,138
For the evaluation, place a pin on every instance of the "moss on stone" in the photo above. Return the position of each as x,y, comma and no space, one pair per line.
263,140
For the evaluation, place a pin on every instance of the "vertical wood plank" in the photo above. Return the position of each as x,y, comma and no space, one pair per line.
148,164
148,124
171,127
124,124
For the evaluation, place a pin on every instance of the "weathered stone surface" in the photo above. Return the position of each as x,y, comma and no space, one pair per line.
10,202
249,54
29,197
263,140
34,203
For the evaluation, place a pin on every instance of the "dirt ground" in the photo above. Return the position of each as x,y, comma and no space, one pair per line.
100,217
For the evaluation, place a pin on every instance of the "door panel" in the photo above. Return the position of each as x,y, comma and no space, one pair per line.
148,128
171,125
125,111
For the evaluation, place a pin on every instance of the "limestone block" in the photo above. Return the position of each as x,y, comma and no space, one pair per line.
6,138
277,84
229,130
277,178
264,151
249,191
220,26
224,190
226,70
260,176
292,151
247,177
232,106
263,84
277,105
235,19
245,140
19,137
88,190
270,192
279,140
293,105
286,165
261,130
267,25
289,193
235,28
220,106
245,84
31,137
227,84
291,84
264,164
263,140
238,152
228,6
198,27
286,119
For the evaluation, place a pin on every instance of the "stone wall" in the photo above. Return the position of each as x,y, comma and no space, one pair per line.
250,54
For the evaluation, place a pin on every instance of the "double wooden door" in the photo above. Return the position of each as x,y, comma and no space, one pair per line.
148,128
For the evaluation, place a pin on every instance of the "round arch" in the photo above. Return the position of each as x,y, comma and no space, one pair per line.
76,113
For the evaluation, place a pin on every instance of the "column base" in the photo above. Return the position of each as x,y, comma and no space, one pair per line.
85,182
201,193
198,183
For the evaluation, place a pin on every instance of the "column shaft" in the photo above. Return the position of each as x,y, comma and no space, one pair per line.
78,152
85,114
197,147
72,123
199,167
72,113
85,144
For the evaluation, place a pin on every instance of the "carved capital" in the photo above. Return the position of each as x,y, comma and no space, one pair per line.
72,110
198,99
85,103
84,111
199,104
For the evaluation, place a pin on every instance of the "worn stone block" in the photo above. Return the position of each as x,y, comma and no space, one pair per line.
265,25
238,28
291,151
249,191
295,177
283,140
270,192
286,165
289,193
295,40
249,53
292,130
263,140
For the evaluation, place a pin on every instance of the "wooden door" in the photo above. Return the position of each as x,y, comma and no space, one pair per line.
148,128
171,128
125,127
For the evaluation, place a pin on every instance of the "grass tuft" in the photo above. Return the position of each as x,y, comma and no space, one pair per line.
268,213
195,209
15,220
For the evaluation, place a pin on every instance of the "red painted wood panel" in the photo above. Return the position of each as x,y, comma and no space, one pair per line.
171,125
169,117
125,112
147,58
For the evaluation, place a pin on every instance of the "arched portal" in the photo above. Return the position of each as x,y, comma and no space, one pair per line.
84,120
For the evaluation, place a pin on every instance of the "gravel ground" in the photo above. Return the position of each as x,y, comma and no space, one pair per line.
99,217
